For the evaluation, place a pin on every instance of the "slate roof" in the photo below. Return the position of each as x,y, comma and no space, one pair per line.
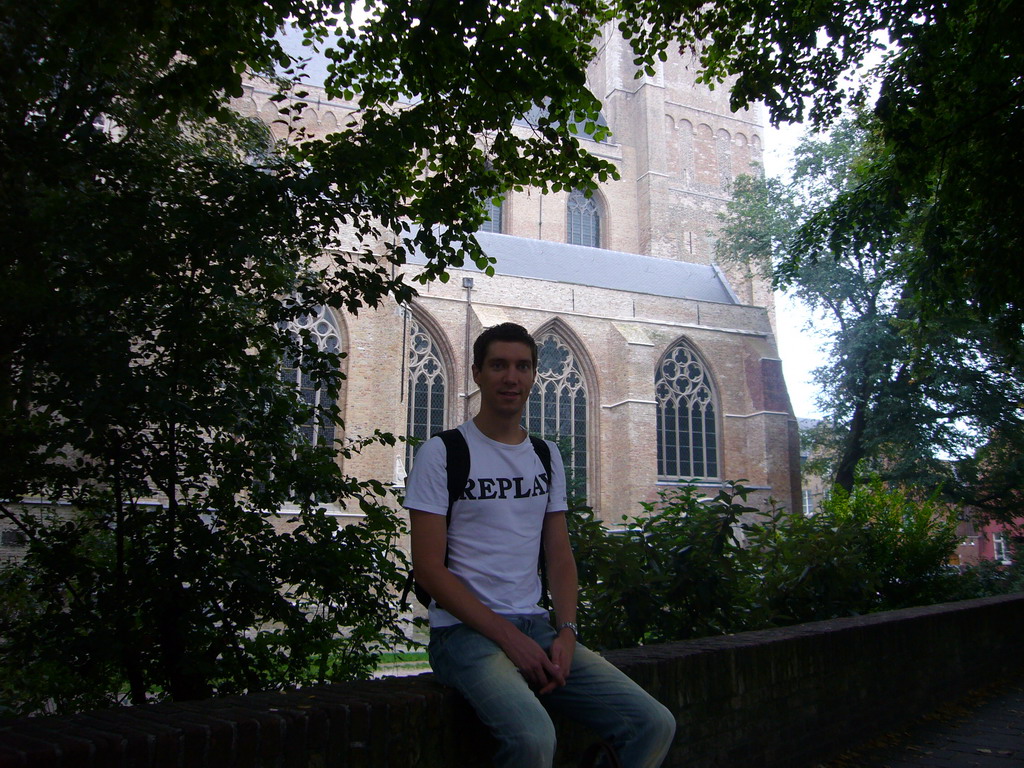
600,268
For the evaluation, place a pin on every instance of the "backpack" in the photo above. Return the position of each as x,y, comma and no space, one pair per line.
458,474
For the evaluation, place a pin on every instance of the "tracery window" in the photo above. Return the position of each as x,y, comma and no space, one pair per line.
319,429
687,428
583,220
426,384
495,216
557,408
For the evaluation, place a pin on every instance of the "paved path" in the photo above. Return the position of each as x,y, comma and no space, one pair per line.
985,730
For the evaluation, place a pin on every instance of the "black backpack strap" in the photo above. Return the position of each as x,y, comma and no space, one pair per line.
457,469
543,451
457,466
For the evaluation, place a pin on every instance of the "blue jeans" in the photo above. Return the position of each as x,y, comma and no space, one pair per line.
596,694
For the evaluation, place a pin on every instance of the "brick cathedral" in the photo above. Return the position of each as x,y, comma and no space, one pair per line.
657,366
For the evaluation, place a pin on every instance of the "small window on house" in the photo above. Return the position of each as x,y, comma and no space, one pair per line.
809,505
583,220
13,538
1001,549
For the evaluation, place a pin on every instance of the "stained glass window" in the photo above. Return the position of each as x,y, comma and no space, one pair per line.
495,216
557,408
583,220
687,429
319,429
426,387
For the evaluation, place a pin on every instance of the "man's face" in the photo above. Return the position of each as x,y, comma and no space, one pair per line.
506,377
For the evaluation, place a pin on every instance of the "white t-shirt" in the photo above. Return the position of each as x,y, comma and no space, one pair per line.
495,530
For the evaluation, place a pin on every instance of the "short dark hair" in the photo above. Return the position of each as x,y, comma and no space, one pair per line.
503,332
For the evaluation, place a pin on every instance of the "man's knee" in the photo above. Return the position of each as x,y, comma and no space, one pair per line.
532,746
662,724
657,729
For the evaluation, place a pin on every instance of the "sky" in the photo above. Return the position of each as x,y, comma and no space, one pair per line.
800,349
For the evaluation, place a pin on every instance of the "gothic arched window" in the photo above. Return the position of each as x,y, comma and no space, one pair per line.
557,408
426,383
323,329
687,431
495,215
582,220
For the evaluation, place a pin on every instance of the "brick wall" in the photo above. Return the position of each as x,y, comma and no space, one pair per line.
781,698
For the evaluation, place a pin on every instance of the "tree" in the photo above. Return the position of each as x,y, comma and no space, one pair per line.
899,392
950,86
156,252
153,321
989,481
948,109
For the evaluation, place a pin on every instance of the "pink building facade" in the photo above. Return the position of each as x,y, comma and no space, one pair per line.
989,541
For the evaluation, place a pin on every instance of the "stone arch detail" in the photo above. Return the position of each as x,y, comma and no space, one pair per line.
328,122
672,165
684,137
743,157
724,149
705,155
270,115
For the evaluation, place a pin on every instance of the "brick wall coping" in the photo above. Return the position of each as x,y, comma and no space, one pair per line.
780,698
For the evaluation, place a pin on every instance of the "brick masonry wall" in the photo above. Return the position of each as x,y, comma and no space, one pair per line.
781,698
619,339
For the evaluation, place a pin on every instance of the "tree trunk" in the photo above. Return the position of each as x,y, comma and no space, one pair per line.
853,451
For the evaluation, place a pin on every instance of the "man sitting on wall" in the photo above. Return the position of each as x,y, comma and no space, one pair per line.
489,637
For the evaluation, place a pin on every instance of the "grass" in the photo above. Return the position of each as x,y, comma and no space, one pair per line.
402,657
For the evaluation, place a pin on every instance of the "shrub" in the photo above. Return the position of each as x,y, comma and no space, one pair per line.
690,567
675,571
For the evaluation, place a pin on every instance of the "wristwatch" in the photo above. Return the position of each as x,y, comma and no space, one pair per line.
571,625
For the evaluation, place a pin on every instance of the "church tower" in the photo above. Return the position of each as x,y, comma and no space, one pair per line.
687,145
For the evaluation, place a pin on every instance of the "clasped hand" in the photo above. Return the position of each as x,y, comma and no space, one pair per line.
542,672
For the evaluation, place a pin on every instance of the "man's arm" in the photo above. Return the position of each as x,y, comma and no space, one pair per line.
563,585
429,536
